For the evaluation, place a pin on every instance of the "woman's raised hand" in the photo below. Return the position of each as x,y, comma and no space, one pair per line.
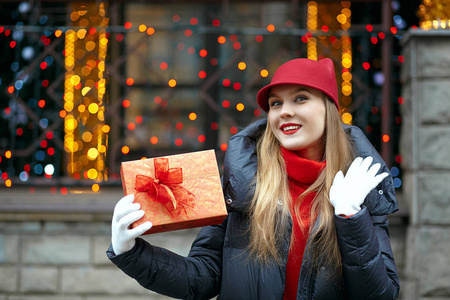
348,192
125,213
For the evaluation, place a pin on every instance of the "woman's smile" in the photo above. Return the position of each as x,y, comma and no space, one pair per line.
290,128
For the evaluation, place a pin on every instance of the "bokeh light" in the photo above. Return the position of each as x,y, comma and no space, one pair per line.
49,169
125,150
226,103
142,27
214,126
131,126
347,118
95,187
192,116
172,83
201,138
154,140
130,81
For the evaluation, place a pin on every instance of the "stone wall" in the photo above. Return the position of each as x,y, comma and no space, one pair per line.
425,148
66,260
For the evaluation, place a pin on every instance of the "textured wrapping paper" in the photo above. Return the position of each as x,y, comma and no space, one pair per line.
176,192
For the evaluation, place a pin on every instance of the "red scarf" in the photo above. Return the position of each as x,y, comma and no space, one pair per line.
301,174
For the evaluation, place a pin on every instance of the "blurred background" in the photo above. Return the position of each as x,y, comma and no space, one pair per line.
87,85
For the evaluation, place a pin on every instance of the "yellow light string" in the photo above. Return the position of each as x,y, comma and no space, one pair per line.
311,25
434,14
86,137
344,18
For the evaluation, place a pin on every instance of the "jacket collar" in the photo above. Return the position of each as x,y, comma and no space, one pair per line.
241,164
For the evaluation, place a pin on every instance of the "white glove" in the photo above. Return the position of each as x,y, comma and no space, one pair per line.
348,193
125,213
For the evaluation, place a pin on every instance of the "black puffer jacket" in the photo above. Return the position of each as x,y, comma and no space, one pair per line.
218,264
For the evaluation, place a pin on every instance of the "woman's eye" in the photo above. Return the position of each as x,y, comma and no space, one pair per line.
274,103
301,98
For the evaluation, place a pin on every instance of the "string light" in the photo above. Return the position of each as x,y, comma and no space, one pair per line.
270,28
242,66
172,83
264,73
434,14
347,118
201,138
214,126
125,149
142,27
346,58
311,25
226,103
192,116
84,92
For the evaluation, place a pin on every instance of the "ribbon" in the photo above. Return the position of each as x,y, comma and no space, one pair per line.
165,187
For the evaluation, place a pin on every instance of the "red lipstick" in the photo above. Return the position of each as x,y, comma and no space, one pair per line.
290,128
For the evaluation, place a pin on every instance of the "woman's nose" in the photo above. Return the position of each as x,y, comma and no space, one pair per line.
286,111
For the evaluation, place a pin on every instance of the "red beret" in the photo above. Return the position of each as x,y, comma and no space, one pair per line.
307,72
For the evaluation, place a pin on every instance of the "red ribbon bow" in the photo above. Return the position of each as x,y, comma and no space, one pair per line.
165,188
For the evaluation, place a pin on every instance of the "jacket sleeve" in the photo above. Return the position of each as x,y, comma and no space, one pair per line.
194,277
369,269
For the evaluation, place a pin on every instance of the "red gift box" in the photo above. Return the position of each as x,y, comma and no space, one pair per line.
176,192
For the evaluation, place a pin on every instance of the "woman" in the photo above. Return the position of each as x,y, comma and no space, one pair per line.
297,227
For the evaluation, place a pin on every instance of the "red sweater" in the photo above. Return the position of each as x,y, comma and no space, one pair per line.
301,174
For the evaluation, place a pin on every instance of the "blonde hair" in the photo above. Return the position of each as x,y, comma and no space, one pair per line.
269,220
